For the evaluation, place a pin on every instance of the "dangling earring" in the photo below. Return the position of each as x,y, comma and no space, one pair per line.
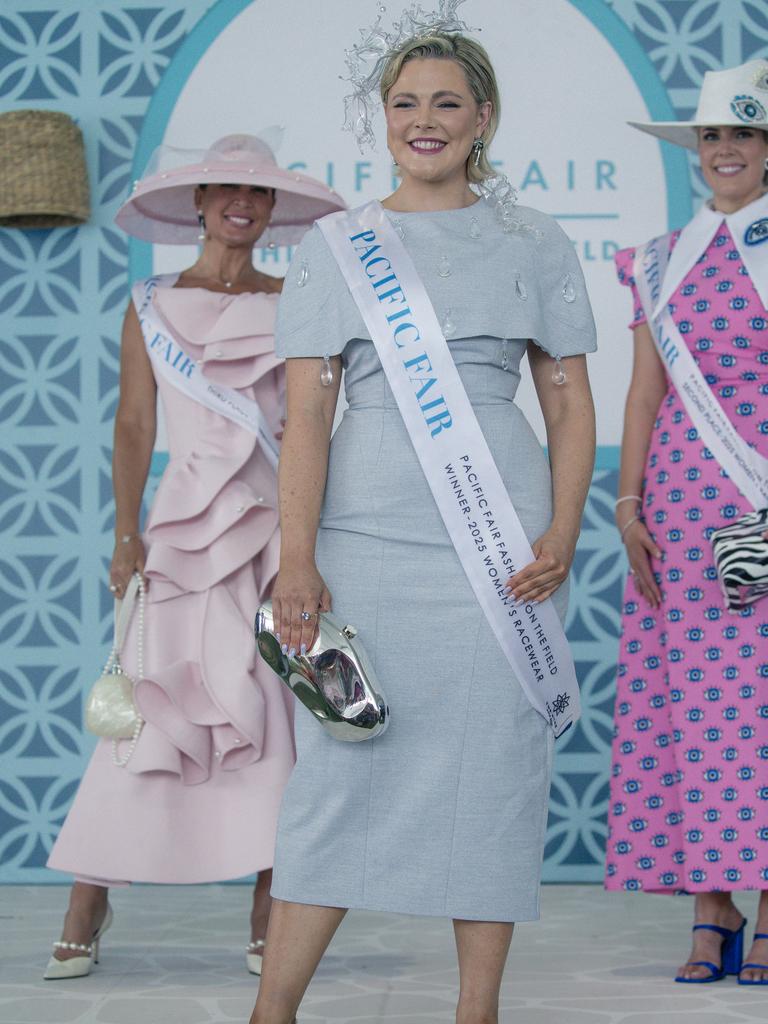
201,222
477,150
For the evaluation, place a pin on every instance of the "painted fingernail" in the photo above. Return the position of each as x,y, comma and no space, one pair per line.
303,648
292,652
284,648
277,637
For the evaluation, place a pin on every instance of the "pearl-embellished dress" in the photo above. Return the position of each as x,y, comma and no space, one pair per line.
198,800
445,813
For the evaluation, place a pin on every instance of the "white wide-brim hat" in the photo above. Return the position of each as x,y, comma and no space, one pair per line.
736,97
161,207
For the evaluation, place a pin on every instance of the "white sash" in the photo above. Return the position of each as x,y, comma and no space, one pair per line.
180,370
465,482
747,468
749,230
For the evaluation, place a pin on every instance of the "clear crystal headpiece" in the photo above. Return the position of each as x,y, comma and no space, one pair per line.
367,59
366,62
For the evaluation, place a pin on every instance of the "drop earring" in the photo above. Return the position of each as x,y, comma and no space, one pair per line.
201,222
477,151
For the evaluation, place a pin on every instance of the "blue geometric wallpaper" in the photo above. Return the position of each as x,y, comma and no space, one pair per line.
62,296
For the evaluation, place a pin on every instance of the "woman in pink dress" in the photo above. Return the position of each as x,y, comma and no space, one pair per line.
689,786
195,798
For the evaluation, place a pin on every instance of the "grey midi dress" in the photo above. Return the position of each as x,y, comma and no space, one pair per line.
445,813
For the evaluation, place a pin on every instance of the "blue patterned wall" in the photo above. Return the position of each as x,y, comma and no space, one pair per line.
62,294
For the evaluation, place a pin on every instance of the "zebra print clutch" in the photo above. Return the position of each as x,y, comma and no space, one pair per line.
741,559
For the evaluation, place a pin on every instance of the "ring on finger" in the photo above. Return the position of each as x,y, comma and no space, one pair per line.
306,616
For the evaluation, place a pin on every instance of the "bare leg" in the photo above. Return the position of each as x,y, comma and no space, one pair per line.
87,907
710,908
482,947
297,936
262,903
758,954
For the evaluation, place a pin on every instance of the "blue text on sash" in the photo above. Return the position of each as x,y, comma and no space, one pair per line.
178,360
668,348
404,330
161,345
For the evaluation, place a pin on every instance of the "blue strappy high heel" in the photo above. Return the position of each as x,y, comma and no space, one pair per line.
731,955
763,967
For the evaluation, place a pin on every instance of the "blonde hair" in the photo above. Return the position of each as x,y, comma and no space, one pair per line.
481,79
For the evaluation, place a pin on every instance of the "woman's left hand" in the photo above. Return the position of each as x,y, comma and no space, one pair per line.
541,578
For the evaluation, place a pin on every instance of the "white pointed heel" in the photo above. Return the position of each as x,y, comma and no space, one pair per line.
78,966
254,953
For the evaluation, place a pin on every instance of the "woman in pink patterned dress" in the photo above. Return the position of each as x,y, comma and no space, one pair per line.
689,786
197,799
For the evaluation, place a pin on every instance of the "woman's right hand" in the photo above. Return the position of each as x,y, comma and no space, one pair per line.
640,548
128,557
298,589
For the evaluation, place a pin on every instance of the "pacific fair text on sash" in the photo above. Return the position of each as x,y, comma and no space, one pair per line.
378,270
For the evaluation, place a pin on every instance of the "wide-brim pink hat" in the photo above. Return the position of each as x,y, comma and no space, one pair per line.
161,207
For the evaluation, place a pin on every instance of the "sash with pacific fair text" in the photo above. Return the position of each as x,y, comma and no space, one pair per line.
171,361
466,484
746,467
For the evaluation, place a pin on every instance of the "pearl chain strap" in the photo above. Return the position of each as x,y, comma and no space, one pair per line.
117,760
88,950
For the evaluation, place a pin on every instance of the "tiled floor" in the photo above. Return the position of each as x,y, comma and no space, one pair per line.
176,956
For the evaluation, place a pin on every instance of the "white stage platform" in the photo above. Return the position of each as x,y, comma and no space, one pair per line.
176,956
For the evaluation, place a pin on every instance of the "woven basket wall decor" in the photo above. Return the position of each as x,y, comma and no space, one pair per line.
43,176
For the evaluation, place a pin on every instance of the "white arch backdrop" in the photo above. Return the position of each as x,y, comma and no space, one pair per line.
567,92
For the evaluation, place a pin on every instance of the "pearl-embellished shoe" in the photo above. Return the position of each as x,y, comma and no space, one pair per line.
77,966
254,953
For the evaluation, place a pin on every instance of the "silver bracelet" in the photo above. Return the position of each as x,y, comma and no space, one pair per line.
627,497
634,519
126,538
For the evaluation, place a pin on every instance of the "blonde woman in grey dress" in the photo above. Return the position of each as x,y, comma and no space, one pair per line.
444,814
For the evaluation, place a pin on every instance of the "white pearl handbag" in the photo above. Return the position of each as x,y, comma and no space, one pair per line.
110,711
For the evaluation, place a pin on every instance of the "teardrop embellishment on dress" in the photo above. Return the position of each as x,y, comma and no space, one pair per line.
326,374
520,289
444,267
303,275
504,355
569,289
474,228
558,374
397,224
448,326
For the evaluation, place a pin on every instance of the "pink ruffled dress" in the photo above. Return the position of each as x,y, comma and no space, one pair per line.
198,800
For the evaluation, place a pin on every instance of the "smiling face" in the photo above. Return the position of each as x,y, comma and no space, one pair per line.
432,120
235,215
733,163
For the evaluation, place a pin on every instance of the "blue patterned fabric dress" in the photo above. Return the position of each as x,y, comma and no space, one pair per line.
689,786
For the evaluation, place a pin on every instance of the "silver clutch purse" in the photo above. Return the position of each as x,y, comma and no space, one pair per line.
334,680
